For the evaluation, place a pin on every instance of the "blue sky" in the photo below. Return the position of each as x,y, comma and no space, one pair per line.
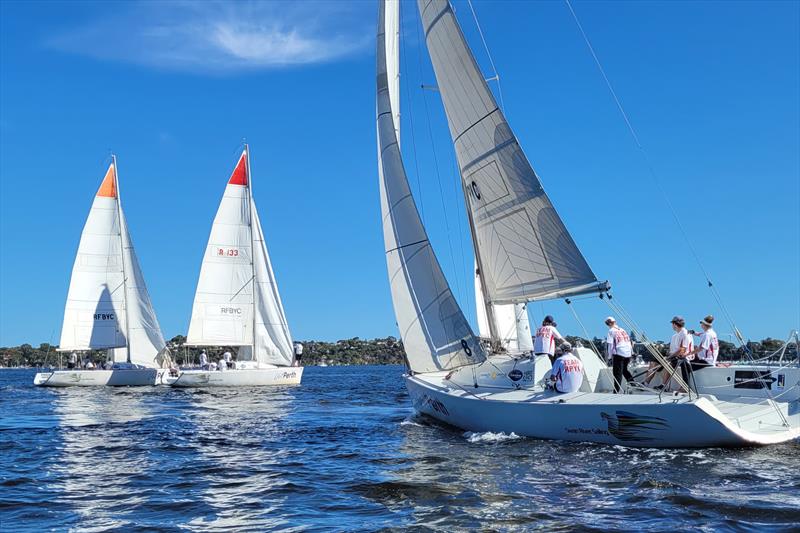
712,88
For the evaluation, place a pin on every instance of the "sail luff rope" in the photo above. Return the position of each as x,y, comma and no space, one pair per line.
489,55
655,179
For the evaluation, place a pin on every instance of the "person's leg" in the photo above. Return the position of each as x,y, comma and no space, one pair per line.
625,372
686,371
617,366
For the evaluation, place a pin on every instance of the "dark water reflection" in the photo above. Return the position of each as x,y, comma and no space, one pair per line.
344,452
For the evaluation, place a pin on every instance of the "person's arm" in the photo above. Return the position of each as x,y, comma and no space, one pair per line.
609,344
557,334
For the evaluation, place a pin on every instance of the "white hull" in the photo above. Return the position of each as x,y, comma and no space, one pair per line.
743,381
506,395
236,378
134,377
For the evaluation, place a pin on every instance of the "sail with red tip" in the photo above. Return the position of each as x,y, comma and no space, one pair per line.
237,302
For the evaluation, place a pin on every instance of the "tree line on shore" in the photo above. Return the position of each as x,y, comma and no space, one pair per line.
353,351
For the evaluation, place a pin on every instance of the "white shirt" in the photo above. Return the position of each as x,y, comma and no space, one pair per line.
222,365
298,349
227,357
546,340
681,338
567,373
203,359
709,347
73,358
618,342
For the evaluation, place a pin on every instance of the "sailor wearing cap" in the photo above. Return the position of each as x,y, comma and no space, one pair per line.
567,372
545,341
681,350
708,349
619,350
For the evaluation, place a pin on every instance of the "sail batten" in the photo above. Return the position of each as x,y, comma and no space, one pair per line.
435,333
525,251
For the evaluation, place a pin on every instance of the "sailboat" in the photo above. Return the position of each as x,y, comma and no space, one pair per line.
108,306
236,303
524,253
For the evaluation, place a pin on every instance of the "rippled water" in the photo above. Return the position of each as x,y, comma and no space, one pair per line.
344,452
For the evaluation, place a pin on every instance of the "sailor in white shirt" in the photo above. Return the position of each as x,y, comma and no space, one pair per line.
620,350
228,360
545,341
681,348
203,360
567,372
298,353
707,351
73,360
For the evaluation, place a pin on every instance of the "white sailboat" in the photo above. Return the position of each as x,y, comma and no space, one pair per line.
237,302
524,253
108,306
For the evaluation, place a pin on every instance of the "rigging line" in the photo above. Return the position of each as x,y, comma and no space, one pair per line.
488,54
652,172
436,166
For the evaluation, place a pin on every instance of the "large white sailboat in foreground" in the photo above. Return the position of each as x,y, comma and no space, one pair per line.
108,306
237,302
524,253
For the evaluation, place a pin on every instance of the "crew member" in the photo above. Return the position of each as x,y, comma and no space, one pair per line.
707,351
298,353
619,350
73,360
203,360
545,341
681,348
567,372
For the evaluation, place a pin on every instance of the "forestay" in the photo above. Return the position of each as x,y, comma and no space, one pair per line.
107,288
525,251
435,333
226,308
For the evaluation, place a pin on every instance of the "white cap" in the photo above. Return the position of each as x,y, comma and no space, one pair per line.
610,319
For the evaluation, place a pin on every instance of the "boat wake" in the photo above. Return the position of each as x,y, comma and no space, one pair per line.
489,437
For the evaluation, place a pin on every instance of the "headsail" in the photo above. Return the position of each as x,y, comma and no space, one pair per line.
435,333
525,250
226,308
511,322
108,306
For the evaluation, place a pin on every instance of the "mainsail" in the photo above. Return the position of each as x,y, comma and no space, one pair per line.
237,301
435,333
108,306
525,250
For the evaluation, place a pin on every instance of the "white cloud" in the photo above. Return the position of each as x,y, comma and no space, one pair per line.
217,37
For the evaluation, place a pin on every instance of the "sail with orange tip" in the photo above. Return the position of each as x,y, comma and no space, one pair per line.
108,188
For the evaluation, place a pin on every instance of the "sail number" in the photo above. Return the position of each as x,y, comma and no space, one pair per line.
227,252
104,316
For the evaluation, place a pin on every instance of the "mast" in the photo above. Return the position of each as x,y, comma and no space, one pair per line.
495,335
252,241
124,272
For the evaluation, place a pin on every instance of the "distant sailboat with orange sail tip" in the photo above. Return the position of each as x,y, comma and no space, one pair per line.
108,306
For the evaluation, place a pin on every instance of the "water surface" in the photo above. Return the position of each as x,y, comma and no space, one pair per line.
344,451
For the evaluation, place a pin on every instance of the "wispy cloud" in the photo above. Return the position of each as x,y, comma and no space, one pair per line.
220,37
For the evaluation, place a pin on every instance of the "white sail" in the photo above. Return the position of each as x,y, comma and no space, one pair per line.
392,45
226,308
145,340
273,340
525,249
435,333
511,322
94,316
108,306
222,313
